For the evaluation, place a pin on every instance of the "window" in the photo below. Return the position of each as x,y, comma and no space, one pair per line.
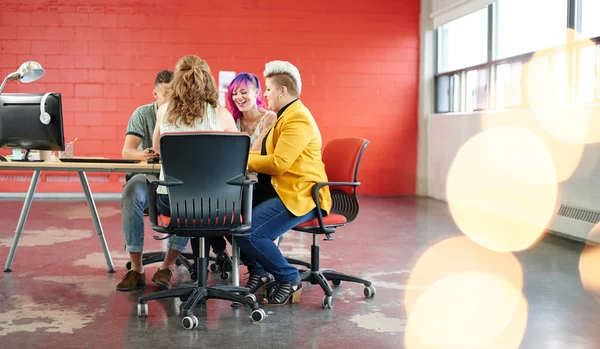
590,25
459,45
522,58
530,25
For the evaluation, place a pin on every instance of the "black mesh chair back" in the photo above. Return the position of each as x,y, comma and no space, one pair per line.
205,172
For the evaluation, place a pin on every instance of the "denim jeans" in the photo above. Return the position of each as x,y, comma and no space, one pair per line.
133,202
270,220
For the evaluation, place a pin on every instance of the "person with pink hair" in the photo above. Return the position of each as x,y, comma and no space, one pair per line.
248,108
251,116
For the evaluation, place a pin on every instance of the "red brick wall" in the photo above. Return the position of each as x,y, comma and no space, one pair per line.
358,61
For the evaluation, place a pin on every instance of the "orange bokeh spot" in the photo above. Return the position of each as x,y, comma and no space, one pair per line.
566,156
459,255
548,90
468,310
589,263
502,188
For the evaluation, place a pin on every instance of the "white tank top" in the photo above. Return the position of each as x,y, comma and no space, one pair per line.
210,122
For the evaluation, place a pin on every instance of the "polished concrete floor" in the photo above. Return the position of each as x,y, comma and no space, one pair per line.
60,294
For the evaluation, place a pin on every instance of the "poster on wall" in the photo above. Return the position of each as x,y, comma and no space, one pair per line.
225,78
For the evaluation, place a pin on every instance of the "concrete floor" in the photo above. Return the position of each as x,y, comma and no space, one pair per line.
60,295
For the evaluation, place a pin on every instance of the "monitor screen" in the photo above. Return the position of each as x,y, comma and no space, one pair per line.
20,124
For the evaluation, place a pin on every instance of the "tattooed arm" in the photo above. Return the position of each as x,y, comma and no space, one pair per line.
265,127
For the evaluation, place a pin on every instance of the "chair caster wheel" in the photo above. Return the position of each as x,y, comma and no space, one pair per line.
327,302
142,310
258,315
128,265
189,322
225,275
214,268
369,291
336,282
251,297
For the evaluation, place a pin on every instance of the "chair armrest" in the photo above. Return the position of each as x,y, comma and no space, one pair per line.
251,178
315,195
151,184
168,182
243,180
248,183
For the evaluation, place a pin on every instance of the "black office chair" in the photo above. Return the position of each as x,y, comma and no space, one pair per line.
342,158
209,194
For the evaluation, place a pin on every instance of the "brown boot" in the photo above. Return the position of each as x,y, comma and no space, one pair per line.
131,281
162,278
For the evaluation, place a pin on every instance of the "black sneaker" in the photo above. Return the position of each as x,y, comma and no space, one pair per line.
224,262
193,272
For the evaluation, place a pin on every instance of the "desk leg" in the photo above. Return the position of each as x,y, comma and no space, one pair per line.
96,220
235,261
22,219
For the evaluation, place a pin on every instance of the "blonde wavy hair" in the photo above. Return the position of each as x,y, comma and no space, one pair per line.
191,91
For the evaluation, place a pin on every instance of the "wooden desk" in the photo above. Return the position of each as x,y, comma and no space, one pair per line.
81,168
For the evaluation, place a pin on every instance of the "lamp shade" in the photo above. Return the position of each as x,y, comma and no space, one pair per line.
30,71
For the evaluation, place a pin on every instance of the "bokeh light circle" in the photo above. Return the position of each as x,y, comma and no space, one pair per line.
566,156
468,310
502,188
458,255
548,89
589,263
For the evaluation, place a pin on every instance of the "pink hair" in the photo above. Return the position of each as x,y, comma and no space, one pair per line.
243,79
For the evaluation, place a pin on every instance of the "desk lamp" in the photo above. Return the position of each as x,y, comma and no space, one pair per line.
28,72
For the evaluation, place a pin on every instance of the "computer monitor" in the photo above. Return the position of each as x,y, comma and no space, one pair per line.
23,126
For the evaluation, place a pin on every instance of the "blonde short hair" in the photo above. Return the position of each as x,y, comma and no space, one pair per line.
290,76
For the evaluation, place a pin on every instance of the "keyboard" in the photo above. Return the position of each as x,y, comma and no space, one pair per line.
100,160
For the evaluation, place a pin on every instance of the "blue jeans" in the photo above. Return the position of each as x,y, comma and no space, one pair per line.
133,202
270,220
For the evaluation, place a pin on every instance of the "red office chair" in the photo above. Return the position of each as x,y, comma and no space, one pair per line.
342,158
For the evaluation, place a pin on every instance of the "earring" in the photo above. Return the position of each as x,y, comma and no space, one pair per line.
280,96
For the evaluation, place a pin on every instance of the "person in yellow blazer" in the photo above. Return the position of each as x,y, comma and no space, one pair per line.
288,166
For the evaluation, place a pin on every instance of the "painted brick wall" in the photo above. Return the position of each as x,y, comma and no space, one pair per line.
359,61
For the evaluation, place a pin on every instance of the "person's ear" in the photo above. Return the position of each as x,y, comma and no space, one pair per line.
154,93
283,90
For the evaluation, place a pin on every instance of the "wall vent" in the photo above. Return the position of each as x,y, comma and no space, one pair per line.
580,214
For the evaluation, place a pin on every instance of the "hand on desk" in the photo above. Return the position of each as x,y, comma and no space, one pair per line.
149,153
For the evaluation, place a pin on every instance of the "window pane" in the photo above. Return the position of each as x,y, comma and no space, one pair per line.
531,25
538,81
463,43
455,92
587,74
476,96
590,25
560,77
442,94
508,85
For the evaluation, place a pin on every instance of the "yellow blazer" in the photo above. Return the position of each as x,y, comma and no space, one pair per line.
293,160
